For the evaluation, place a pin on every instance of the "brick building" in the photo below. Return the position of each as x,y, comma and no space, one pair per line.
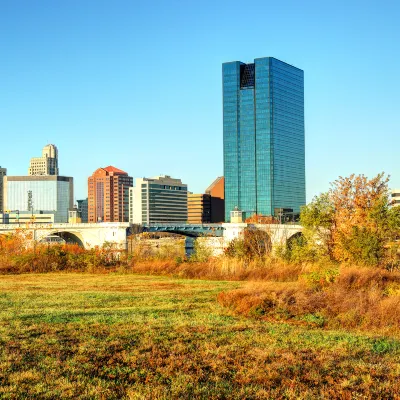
108,195
217,200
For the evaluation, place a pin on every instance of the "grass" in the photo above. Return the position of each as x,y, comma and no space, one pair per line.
115,336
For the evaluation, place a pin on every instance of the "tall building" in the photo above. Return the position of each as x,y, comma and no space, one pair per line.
47,164
217,201
199,208
39,194
3,173
263,124
108,200
161,199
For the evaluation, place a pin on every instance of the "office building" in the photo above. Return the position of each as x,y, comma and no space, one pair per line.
217,200
83,210
263,125
108,195
161,199
47,164
3,173
35,194
199,208
395,197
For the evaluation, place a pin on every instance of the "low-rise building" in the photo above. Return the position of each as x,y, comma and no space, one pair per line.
26,217
396,197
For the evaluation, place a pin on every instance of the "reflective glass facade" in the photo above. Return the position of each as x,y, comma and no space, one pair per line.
49,193
263,123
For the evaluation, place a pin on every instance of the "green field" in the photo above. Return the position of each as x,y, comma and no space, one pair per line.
114,336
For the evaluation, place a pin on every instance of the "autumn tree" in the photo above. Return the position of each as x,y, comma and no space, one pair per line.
354,221
255,243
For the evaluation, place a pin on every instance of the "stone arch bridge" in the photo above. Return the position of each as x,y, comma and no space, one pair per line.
89,235
86,235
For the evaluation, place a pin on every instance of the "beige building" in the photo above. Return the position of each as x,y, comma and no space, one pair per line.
199,208
396,197
3,173
47,164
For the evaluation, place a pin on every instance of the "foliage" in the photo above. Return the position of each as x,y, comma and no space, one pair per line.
18,255
354,222
261,219
255,243
201,252
353,298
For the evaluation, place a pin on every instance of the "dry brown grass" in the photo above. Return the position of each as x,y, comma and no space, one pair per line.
359,298
222,268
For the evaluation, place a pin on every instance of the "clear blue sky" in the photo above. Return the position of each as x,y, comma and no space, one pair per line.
138,84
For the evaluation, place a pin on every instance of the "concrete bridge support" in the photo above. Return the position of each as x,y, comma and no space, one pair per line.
279,234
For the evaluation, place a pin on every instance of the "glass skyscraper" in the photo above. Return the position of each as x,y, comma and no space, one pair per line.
263,122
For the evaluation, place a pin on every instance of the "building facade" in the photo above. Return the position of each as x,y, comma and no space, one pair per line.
217,200
108,195
83,210
161,199
3,173
395,197
47,164
263,124
199,208
35,194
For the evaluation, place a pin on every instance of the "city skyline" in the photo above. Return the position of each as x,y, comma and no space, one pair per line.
79,74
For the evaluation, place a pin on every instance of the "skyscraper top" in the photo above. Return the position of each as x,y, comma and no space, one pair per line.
47,164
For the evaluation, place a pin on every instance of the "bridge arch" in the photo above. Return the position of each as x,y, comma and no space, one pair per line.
69,237
295,238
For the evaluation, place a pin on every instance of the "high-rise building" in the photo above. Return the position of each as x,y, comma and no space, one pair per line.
83,210
47,164
263,124
161,199
216,191
39,194
108,195
3,173
199,208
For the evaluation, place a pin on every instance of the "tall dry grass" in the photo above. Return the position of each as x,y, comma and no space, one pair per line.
221,268
358,298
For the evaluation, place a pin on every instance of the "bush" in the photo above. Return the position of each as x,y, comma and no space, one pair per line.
358,298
